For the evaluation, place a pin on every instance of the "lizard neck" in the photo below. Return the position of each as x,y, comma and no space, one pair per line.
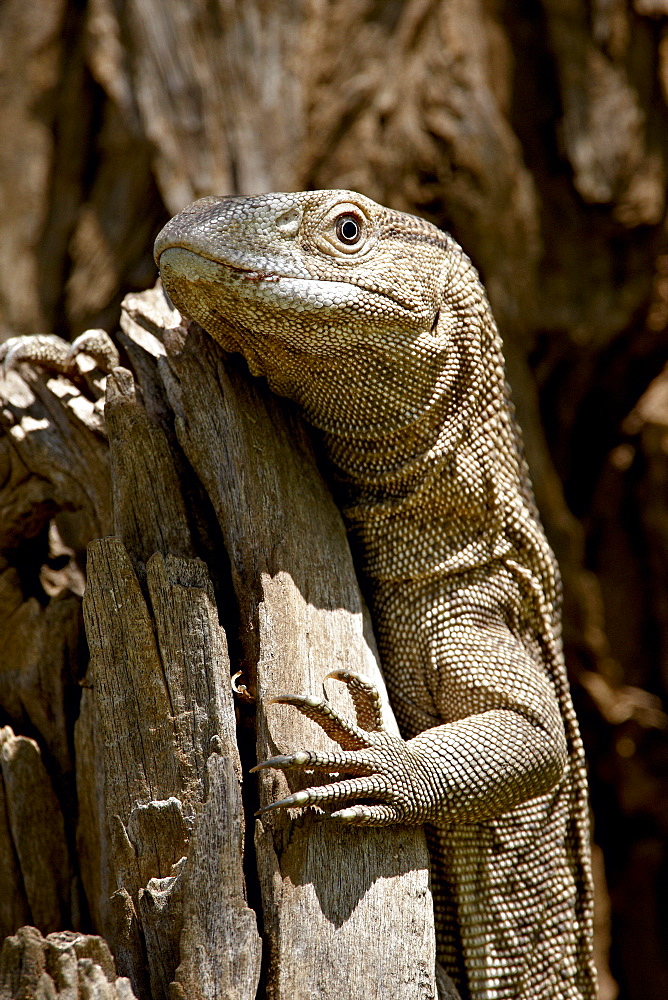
445,508
446,491
425,464
399,492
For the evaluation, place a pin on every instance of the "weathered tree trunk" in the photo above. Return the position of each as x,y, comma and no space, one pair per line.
538,134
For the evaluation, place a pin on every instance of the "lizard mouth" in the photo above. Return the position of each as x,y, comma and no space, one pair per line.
247,274
237,268
239,272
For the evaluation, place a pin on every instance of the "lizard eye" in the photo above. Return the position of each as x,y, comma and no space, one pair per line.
345,231
348,229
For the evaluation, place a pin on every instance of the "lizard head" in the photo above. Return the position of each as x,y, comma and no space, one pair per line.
353,310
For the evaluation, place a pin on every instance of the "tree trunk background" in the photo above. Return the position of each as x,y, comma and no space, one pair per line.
537,133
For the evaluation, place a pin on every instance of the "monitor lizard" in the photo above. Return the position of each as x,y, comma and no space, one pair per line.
376,323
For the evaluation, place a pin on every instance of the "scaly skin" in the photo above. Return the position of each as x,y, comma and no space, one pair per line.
376,324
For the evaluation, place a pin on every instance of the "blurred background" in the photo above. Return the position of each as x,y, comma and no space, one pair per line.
536,132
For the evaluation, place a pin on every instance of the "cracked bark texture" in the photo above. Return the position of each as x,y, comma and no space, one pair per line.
537,133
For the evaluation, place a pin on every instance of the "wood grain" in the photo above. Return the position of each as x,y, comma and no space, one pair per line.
327,891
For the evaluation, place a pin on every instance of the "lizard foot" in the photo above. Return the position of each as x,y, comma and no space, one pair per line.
57,355
381,767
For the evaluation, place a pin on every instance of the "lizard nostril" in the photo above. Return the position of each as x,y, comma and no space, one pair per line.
288,222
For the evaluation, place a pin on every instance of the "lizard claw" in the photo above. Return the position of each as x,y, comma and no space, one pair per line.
296,799
313,760
361,815
370,786
383,815
56,355
284,761
99,346
372,764
39,349
345,733
366,699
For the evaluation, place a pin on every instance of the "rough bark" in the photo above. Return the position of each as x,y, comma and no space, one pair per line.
537,133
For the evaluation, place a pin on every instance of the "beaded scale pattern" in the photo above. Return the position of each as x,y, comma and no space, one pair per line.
376,324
